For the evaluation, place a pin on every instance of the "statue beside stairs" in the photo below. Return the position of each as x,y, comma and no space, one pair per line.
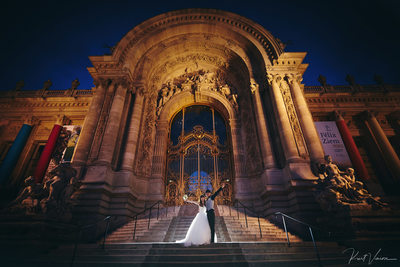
339,190
51,199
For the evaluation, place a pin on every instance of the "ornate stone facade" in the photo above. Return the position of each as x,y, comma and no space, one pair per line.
200,57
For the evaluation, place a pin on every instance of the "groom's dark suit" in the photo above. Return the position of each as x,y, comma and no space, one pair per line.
211,213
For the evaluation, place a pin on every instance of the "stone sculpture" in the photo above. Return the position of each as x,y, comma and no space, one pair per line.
338,189
195,82
52,198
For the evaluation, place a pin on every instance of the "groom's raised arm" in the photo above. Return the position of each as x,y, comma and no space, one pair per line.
217,192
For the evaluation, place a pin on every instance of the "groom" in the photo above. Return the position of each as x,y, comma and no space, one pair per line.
210,209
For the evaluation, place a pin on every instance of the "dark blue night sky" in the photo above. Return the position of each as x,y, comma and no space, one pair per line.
52,39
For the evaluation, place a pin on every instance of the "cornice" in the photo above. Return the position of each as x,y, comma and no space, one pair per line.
36,94
39,103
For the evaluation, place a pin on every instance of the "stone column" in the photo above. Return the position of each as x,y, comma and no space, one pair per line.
14,152
109,141
89,126
285,129
306,121
237,148
242,183
267,154
156,182
351,147
133,133
384,145
160,149
48,150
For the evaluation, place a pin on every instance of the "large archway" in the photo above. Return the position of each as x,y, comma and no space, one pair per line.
197,57
198,155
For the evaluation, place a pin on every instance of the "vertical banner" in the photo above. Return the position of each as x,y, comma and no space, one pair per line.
332,142
65,147
74,131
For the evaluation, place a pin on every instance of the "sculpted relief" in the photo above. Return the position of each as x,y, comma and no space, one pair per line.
196,81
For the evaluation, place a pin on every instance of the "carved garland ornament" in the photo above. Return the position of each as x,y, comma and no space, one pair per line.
278,80
294,120
143,164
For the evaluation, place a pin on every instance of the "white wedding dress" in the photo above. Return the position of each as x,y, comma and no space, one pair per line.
199,232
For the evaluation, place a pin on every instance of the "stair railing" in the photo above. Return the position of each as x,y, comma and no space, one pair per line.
135,217
79,232
237,202
303,223
107,219
245,209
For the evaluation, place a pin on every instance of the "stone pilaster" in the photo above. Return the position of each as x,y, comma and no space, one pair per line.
266,149
351,147
109,141
160,148
90,125
285,129
306,121
237,148
388,153
156,183
133,133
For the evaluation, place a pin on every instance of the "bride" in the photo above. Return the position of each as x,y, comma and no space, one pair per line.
199,232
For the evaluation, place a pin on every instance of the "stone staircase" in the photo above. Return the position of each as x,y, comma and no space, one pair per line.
240,231
170,254
230,226
145,232
238,245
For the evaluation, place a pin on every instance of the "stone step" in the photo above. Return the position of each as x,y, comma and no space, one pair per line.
175,228
169,254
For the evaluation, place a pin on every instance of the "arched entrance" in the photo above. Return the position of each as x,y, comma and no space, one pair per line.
198,155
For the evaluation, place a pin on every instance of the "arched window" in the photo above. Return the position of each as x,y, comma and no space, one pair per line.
198,156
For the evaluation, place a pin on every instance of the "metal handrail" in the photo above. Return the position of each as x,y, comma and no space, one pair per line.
245,214
303,223
107,219
284,225
144,211
79,231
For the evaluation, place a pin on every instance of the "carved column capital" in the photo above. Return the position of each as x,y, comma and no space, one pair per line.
294,78
234,123
162,125
395,115
274,78
31,120
368,115
121,82
337,115
101,82
62,120
254,86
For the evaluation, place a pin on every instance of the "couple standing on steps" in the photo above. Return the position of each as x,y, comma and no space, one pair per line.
202,228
